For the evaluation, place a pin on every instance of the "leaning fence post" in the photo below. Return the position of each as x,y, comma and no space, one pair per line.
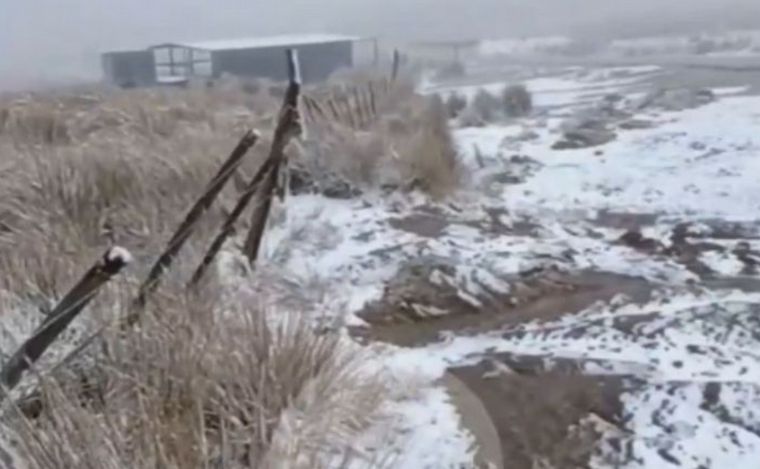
228,228
288,125
396,65
372,103
112,262
192,218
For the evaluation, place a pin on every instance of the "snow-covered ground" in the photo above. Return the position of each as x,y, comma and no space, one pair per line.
735,43
690,165
691,352
523,46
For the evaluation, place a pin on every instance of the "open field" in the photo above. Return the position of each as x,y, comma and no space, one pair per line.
573,287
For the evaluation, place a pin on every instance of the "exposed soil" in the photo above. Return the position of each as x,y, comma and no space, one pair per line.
427,225
543,296
625,220
542,416
432,223
686,244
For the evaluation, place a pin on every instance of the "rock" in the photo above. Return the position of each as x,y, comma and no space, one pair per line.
584,138
634,124
330,185
636,240
613,98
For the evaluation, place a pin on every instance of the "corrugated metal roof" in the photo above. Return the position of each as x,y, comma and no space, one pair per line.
269,41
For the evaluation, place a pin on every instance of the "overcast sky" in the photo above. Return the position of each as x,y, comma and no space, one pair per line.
49,39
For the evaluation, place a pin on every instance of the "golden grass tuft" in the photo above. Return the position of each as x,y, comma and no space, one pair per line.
201,386
207,381
408,145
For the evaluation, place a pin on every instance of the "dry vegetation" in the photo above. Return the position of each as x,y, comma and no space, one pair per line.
205,381
405,145
514,101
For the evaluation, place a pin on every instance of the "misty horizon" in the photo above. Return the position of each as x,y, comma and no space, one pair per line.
49,41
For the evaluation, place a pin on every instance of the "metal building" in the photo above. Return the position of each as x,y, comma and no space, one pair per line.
264,57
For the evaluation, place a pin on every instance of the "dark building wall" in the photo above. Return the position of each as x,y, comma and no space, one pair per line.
318,61
129,69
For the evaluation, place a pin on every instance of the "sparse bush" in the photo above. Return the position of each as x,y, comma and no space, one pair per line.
517,101
432,162
455,104
408,145
486,106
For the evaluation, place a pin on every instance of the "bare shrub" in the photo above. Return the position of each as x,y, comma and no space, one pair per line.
431,159
486,106
455,104
408,146
200,385
517,101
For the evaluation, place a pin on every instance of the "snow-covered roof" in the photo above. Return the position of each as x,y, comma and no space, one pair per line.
268,41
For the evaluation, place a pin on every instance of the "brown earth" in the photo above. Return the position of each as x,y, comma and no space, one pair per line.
542,416
543,296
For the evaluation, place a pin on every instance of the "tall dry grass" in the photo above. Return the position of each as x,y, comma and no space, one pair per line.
131,164
408,145
207,381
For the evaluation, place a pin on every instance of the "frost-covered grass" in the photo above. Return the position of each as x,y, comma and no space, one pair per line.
209,378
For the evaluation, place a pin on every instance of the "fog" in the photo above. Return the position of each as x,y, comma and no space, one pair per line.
53,40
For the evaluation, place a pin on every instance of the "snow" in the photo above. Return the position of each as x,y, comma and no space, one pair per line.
691,165
694,163
522,46
659,351
429,433
563,90
119,254
722,263
699,161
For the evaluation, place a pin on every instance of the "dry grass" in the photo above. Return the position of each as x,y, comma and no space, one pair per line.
515,101
206,379
485,105
408,146
132,163
455,104
199,386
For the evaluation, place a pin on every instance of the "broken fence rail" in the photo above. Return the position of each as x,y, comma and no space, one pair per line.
188,225
110,264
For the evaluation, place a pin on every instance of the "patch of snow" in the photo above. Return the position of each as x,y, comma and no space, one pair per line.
672,428
524,46
724,263
730,90
430,433
700,163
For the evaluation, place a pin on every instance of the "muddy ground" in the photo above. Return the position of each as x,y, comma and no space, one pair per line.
546,412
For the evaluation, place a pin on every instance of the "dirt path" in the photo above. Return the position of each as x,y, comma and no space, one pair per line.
544,296
652,367
542,417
